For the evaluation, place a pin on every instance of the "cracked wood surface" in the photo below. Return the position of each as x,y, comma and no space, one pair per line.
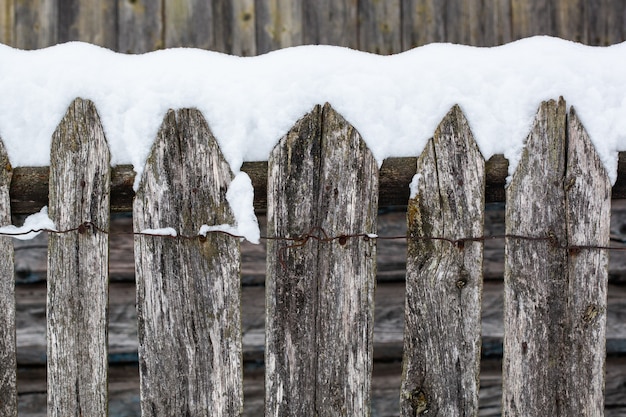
555,299
188,291
8,361
319,296
78,280
444,281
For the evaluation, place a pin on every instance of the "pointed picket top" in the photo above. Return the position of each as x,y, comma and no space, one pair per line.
444,280
78,265
322,180
188,290
8,364
555,287
588,209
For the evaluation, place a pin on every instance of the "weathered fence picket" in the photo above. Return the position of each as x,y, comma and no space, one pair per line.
78,262
555,294
323,181
444,279
322,201
8,362
188,290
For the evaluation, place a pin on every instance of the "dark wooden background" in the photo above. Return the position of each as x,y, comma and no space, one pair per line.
251,27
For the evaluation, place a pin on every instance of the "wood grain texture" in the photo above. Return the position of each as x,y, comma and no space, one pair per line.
244,29
330,22
7,22
571,20
532,17
555,305
278,24
536,272
139,26
188,23
588,214
93,21
188,291
605,21
444,281
36,24
77,301
423,22
29,186
380,28
319,295
8,363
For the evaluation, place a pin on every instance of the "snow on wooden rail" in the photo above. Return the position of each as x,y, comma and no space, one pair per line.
319,293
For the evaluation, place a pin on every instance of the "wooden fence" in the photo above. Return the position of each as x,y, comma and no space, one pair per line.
322,202
251,27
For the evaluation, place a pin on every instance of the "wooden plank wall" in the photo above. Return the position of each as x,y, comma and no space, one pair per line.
251,27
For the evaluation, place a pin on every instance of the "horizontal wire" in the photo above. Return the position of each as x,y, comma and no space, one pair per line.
319,234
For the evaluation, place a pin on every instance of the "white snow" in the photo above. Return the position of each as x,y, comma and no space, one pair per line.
396,102
414,185
33,225
163,231
227,228
240,197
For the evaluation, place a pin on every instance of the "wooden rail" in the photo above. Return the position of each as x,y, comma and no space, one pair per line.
29,187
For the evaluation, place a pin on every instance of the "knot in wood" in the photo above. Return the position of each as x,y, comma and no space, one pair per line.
419,401
343,239
591,312
554,241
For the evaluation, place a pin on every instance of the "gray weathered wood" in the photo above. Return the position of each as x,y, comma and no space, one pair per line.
93,21
330,22
532,17
422,22
588,210
7,22
555,299
444,281
278,24
77,301
536,272
319,295
380,26
139,26
188,23
235,31
36,23
188,290
605,21
571,20
8,366
248,27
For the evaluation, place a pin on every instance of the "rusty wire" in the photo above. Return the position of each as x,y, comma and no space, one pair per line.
320,235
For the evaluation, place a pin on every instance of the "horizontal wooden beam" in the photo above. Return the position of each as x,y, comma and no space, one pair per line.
29,187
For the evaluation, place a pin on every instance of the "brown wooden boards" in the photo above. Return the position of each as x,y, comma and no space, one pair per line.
188,290
555,288
444,280
78,280
319,293
8,364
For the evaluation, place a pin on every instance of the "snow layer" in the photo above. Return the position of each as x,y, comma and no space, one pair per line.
396,102
33,225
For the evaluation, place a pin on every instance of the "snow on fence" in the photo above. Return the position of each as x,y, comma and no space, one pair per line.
322,202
